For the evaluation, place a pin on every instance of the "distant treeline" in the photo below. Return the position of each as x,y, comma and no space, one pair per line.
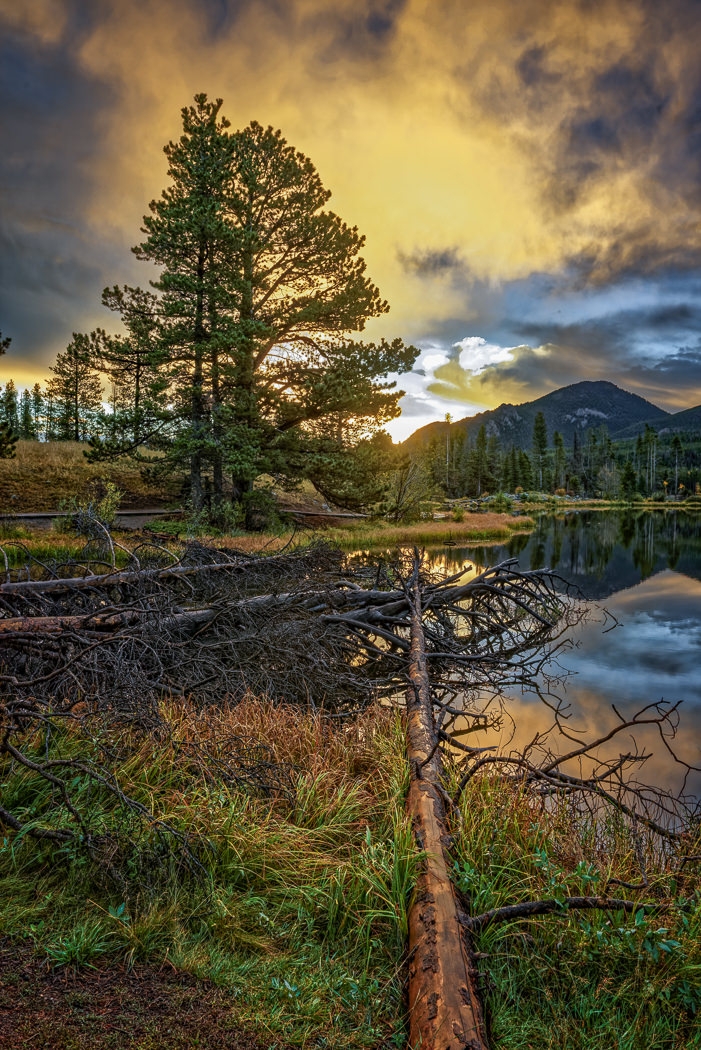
74,406
594,465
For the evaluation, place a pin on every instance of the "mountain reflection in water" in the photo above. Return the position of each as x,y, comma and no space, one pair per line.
645,569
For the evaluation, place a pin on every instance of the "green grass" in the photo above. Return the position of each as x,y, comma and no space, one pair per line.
302,912
588,980
23,545
472,528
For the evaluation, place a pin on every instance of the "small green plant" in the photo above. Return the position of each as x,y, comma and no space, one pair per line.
83,943
82,515
501,503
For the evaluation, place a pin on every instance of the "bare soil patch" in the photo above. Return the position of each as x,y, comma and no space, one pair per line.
105,1007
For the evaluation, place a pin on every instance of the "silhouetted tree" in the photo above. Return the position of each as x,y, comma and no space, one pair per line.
75,391
260,290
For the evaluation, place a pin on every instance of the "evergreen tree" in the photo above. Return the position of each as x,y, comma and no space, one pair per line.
650,459
74,392
8,412
27,429
677,452
260,291
479,476
509,471
8,440
628,480
576,454
38,421
525,470
540,447
9,408
560,465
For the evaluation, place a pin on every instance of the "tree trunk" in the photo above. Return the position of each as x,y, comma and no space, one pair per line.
444,1007
197,410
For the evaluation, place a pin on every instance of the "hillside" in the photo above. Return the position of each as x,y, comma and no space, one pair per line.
44,474
571,409
686,423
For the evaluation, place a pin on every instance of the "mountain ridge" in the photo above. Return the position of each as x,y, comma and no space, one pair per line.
569,410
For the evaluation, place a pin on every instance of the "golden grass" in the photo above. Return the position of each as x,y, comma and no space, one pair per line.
489,527
43,474
473,527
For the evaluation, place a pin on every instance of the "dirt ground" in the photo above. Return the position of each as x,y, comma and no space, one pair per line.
109,1007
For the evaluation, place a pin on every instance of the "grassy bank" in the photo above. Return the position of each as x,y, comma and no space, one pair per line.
488,527
298,914
473,528
52,545
299,910
44,474
588,980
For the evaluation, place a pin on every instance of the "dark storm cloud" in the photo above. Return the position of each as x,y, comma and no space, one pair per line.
357,33
621,114
50,129
599,96
532,70
433,263
624,330
644,335
619,347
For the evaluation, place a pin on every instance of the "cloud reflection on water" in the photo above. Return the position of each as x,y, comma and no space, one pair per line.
654,654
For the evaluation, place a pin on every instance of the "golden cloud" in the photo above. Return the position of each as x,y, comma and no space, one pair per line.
517,137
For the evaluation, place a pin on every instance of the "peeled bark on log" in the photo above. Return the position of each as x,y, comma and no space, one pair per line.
91,622
112,579
444,1007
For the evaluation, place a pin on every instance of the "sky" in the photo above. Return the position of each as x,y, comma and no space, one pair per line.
527,173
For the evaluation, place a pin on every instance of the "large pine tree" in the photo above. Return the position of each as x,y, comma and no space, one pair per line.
261,289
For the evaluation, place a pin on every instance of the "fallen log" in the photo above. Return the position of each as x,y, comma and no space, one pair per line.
444,1005
65,584
91,622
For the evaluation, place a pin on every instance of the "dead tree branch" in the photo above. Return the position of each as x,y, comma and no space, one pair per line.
530,909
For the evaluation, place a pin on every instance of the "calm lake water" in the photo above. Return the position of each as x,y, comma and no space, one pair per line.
645,569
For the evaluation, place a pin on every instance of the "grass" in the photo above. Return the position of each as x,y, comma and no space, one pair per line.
23,545
53,545
302,914
472,528
588,980
301,918
44,474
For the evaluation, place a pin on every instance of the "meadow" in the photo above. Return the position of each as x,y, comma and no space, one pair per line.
298,910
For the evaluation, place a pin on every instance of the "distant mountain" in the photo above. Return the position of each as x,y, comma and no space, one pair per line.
569,409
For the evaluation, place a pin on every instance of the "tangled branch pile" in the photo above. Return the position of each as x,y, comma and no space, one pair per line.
301,627
296,626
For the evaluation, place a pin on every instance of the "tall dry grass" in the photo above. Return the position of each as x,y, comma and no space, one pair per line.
44,474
